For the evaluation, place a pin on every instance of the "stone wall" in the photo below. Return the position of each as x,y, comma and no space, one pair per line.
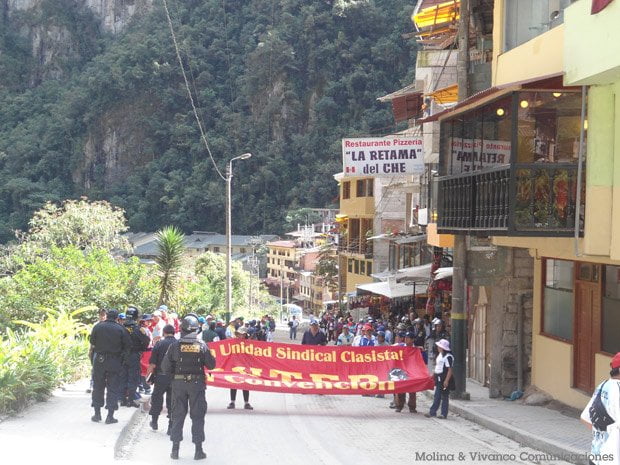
509,282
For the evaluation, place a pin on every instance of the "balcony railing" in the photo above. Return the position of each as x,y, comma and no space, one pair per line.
357,246
529,200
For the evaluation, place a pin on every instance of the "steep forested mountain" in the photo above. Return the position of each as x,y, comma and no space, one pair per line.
92,102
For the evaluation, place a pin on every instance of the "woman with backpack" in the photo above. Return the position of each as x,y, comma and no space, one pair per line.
444,380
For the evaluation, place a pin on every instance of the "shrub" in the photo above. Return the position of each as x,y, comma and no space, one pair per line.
35,361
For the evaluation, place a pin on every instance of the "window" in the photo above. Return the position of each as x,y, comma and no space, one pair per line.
370,188
368,268
346,190
611,311
361,188
362,267
558,299
350,265
526,19
216,249
242,250
356,264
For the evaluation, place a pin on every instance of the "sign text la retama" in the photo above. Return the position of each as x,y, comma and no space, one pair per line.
382,156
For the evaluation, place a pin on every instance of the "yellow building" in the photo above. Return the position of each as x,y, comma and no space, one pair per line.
512,158
282,277
357,210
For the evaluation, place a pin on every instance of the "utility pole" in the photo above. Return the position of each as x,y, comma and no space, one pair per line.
281,294
229,302
459,310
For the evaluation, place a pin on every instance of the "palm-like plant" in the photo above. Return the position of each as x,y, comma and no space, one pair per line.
170,245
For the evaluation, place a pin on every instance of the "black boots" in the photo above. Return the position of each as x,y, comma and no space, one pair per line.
199,454
110,418
97,415
153,423
175,450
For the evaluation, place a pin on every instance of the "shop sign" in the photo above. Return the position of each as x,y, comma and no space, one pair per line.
382,156
473,155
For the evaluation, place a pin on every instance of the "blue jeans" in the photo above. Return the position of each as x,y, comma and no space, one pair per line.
442,396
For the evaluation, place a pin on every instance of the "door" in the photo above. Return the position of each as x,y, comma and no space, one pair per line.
586,324
478,357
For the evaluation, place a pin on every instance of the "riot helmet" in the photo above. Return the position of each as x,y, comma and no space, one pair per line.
190,324
132,313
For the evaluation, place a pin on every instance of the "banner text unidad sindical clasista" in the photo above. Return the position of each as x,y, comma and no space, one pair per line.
309,355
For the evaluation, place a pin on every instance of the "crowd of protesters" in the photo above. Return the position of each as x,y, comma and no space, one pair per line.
428,334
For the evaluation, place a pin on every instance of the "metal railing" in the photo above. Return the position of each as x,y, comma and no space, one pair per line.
539,201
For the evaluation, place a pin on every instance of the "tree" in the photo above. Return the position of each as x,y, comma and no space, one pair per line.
327,266
301,216
70,278
79,223
169,260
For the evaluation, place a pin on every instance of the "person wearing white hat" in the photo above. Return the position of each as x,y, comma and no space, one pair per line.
444,381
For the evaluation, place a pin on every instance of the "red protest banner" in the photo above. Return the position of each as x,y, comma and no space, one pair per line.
264,366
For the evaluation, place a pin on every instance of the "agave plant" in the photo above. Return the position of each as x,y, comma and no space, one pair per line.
171,246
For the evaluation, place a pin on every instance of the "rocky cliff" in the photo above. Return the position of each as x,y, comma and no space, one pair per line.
62,33
93,103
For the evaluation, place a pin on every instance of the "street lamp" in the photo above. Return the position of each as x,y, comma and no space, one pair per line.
245,156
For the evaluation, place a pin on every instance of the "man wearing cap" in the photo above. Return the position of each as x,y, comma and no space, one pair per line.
605,436
158,326
111,345
381,340
444,382
367,338
220,330
209,334
400,397
233,325
345,338
314,337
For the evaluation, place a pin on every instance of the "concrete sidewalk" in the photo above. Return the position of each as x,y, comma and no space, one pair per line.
60,431
540,428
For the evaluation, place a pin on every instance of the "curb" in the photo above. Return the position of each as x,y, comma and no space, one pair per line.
566,453
129,433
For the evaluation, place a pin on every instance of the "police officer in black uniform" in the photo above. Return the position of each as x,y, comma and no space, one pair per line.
139,343
185,362
163,383
110,344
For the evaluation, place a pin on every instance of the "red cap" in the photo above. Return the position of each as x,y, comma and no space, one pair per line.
367,327
615,362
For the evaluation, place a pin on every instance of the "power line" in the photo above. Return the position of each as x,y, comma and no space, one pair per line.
189,92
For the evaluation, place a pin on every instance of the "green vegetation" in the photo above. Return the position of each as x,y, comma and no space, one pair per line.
43,338
284,80
33,363
169,261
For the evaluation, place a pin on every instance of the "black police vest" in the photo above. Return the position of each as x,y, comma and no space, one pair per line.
190,360
136,340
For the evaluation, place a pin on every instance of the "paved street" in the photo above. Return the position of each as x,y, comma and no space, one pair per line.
311,429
